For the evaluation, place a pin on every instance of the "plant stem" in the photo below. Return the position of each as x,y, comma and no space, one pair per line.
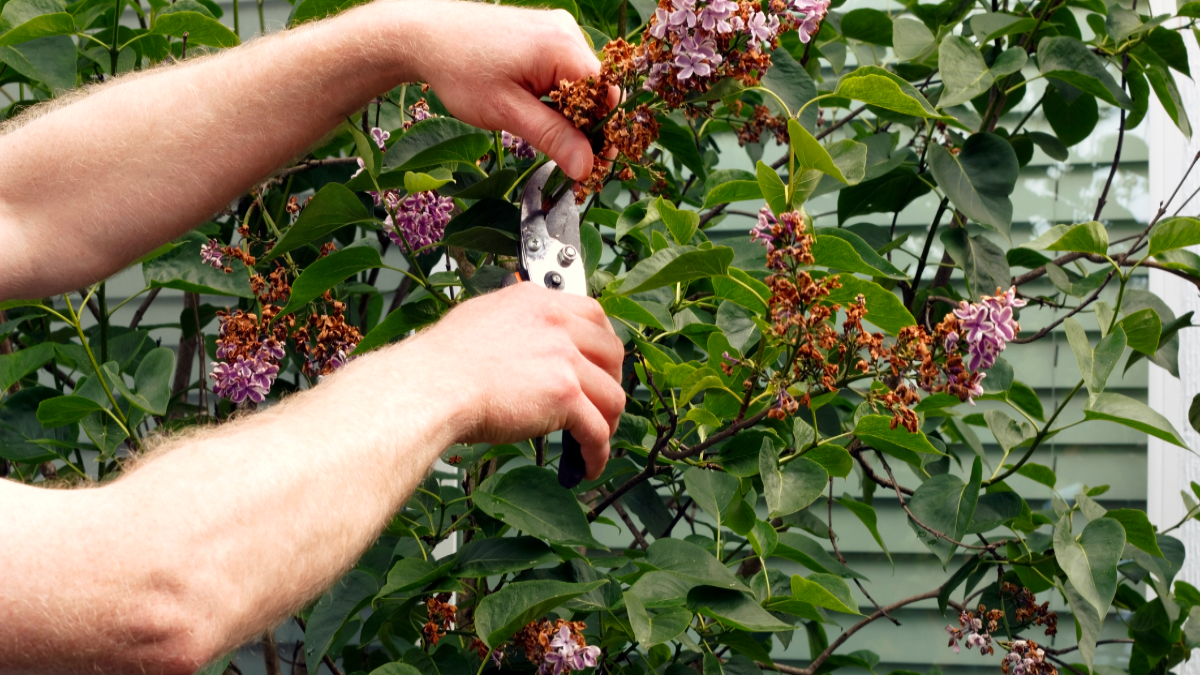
1037,440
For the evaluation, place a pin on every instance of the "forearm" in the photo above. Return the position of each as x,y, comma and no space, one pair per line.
89,186
187,555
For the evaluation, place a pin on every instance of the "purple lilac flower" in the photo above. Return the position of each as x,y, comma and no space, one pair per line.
418,113
695,57
814,11
520,147
420,220
655,77
379,136
210,254
244,379
683,14
989,327
715,16
762,231
970,631
361,165
759,28
662,21
566,655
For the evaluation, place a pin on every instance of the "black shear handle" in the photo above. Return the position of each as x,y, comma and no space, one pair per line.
571,467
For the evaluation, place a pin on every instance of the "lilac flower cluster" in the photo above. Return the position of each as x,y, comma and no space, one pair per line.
989,327
692,28
210,254
246,378
764,230
971,632
1025,658
566,656
519,147
420,218
814,11
380,137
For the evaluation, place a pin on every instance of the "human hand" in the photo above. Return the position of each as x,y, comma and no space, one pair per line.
534,361
490,64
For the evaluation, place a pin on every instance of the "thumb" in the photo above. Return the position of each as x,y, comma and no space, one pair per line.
554,135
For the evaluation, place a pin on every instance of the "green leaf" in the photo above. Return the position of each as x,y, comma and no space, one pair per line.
1038,473
45,25
411,574
1143,329
792,83
713,491
407,317
22,436
963,70
947,505
877,432
1008,432
677,265
331,208
49,60
691,563
328,272
1163,84
868,25
983,262
763,539
681,143
1026,399
733,191
836,461
313,10
734,609
1091,237
485,557
884,309
742,289
15,366
415,182
804,550
331,612
866,514
878,264
1134,414
1174,233
1090,561
501,614
681,224
1095,365
1050,145
824,590
1012,60
181,269
1069,60
1073,120
878,87
1138,530
566,5
621,307
772,189
1088,620
200,29
790,487
655,628
63,410
437,140
979,179
810,154
911,40
152,382
530,499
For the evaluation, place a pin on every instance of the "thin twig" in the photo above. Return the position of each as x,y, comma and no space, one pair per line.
141,310
637,535
856,449
842,559
841,639
930,530
1054,324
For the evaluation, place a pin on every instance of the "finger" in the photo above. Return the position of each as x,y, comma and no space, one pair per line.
602,347
605,393
551,133
590,428
583,306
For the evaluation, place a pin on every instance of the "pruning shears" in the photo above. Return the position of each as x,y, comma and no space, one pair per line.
551,257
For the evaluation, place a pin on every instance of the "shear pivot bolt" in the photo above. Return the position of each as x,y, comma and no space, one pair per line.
534,244
554,280
567,255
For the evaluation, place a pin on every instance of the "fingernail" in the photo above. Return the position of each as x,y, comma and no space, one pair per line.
577,165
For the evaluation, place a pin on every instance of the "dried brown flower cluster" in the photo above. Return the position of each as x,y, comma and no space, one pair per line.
535,638
1029,610
327,340
762,120
441,619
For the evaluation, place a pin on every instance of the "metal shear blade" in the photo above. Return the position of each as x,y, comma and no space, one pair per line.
551,253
